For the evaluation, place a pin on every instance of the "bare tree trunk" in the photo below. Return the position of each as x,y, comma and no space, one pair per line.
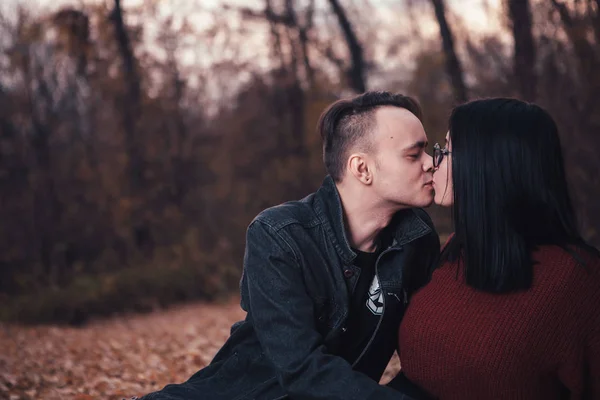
294,92
289,102
131,104
15,174
280,73
7,129
47,208
587,58
583,49
524,58
303,37
141,232
357,68
278,52
453,66
179,156
596,20
299,43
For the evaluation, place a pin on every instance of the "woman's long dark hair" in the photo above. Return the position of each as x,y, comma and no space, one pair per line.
510,192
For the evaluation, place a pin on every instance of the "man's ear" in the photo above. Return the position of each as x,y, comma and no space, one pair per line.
359,167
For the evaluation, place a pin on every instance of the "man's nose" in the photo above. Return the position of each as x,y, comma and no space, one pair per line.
428,163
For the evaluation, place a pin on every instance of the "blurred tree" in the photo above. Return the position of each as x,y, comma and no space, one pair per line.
524,48
356,73
580,24
173,98
41,80
289,36
489,63
453,65
131,103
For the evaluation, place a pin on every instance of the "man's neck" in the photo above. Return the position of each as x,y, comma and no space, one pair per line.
364,216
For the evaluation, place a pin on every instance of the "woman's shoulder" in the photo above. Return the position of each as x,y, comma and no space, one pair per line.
576,267
569,280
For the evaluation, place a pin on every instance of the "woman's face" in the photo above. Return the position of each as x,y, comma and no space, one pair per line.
442,176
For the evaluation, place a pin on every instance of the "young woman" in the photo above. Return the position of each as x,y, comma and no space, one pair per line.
513,311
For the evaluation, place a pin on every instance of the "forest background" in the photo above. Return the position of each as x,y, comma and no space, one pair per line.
138,139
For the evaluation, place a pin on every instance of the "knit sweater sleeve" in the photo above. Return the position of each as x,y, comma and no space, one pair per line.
593,355
580,372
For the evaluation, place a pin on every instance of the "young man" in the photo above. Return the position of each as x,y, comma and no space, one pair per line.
326,279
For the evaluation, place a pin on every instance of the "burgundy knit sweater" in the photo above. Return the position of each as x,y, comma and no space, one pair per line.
460,343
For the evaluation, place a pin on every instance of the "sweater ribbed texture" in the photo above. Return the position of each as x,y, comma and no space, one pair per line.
460,343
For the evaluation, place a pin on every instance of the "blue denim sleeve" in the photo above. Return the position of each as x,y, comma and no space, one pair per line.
282,313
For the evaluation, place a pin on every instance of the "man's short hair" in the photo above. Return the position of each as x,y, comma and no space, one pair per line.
347,123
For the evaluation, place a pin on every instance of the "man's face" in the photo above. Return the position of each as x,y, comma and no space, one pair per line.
403,172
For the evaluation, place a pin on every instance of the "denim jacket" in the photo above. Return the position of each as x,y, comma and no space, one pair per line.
296,284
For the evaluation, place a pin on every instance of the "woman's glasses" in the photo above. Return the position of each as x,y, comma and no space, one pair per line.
438,154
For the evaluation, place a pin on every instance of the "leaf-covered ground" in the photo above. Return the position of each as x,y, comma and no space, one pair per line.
115,358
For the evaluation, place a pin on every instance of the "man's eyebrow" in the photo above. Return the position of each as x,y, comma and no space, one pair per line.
417,145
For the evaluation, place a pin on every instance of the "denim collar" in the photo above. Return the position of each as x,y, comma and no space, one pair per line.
406,224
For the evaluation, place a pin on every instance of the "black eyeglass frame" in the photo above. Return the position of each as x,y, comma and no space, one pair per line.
439,154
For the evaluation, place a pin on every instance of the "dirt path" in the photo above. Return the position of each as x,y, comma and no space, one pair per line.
116,358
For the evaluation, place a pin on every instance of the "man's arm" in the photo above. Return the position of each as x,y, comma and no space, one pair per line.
283,316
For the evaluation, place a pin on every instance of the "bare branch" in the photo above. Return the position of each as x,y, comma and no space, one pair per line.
524,57
357,69
453,66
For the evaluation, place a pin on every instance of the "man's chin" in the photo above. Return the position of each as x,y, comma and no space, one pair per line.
427,202
429,199
417,202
